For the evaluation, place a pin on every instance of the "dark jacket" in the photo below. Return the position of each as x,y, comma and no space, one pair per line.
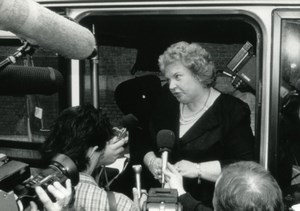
223,133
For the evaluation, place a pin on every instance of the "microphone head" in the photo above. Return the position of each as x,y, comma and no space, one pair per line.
129,121
18,80
165,140
137,168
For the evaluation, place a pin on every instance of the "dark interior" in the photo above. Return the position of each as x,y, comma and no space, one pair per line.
151,34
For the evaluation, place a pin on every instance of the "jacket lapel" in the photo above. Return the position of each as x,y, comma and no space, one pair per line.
209,120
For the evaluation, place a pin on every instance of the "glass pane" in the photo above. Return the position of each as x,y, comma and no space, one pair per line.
25,117
127,49
115,64
289,128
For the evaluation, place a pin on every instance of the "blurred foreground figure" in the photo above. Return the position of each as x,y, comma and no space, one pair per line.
242,186
247,186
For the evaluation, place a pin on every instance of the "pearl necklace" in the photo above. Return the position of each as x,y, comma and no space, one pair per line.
195,116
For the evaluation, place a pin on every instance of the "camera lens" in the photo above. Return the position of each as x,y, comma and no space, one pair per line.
60,169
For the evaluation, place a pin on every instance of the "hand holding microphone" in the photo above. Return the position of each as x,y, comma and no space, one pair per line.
165,142
174,179
120,133
155,165
114,149
139,202
137,170
139,195
128,122
116,146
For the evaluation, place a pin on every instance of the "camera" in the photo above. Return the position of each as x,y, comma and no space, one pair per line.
17,187
162,199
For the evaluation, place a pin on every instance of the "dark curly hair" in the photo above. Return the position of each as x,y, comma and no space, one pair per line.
76,130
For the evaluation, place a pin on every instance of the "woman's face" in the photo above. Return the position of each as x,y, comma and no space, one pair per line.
182,83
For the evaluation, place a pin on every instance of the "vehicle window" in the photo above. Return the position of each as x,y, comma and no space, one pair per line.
289,95
115,64
129,47
27,106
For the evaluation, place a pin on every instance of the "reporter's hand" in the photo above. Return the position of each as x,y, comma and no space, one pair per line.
186,169
113,150
62,195
174,179
139,202
155,168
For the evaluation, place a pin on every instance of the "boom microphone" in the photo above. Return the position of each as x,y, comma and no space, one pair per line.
165,142
21,80
43,27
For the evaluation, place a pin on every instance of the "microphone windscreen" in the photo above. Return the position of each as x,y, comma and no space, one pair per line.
41,26
130,121
21,80
165,139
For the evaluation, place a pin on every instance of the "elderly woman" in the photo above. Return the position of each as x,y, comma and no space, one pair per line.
211,129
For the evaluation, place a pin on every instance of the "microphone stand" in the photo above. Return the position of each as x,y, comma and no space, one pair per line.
26,49
137,170
94,62
164,157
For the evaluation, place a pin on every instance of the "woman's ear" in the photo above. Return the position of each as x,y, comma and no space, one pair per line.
93,159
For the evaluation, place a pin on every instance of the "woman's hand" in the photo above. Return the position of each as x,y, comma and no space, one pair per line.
187,169
174,179
62,195
209,170
113,150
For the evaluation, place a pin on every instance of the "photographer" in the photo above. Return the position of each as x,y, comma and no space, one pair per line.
62,195
84,134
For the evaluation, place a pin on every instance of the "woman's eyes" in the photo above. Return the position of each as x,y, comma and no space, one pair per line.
177,76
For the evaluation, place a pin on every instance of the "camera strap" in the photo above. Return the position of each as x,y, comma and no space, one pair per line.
111,201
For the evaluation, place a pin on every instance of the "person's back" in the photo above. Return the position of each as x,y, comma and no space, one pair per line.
247,186
90,197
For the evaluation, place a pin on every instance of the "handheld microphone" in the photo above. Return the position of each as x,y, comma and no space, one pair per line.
165,142
130,121
138,169
22,80
47,29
